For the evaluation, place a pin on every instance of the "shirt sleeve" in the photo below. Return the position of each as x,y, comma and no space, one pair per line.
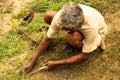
53,29
92,40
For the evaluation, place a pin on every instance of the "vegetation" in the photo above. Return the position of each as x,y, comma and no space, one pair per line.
36,27
16,43
103,5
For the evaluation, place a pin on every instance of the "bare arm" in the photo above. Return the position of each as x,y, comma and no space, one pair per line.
41,48
74,59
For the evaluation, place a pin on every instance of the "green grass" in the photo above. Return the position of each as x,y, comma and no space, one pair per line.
112,53
7,10
11,46
15,42
103,6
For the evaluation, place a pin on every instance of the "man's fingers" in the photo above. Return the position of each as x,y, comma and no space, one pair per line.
24,70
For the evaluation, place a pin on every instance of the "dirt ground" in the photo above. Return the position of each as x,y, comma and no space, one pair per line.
102,67
9,7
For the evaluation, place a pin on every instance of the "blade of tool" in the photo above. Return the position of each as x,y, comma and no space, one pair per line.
39,69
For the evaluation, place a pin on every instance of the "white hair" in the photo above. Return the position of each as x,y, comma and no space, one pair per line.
71,15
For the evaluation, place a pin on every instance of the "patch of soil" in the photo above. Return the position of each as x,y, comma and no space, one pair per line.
9,8
102,67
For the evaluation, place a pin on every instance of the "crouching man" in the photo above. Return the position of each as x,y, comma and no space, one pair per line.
80,22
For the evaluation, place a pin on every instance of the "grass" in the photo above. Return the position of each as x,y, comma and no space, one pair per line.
7,10
103,6
9,49
11,46
35,28
16,43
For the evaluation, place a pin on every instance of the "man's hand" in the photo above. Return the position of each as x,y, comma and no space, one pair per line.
50,64
40,49
26,68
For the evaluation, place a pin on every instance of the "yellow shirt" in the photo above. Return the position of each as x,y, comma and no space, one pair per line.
94,28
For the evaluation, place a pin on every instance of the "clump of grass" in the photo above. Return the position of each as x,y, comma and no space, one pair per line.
7,10
112,53
11,74
38,5
102,5
22,13
13,45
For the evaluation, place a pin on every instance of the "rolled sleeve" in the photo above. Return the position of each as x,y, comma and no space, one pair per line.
54,27
52,31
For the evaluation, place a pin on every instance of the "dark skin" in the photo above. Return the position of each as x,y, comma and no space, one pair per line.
74,38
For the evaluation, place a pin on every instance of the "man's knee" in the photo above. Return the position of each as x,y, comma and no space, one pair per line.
75,39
